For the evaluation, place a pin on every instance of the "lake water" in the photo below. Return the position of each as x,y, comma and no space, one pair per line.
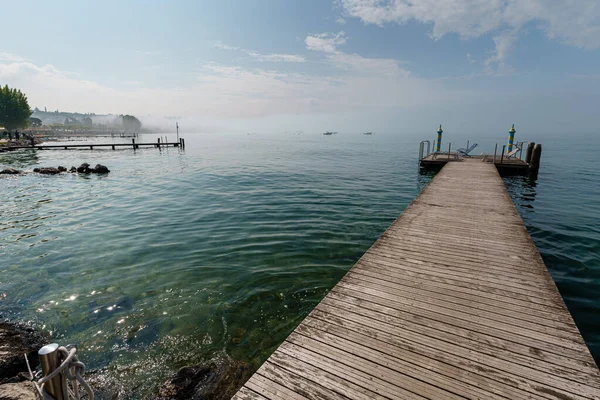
218,251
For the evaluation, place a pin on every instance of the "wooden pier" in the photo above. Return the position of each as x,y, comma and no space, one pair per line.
91,146
453,301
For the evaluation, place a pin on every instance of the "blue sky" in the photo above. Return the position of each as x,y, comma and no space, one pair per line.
385,65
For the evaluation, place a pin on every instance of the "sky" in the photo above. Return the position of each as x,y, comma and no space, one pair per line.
312,65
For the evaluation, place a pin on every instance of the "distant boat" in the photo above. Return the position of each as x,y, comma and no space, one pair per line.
330,133
368,133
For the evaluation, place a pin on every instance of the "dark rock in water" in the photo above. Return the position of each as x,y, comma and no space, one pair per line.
18,391
84,168
11,171
73,169
100,169
61,169
47,171
14,342
206,382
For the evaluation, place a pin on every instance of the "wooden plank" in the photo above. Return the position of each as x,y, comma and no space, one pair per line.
479,309
452,353
453,301
246,393
451,295
420,324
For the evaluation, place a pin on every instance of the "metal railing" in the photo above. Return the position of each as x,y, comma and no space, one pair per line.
422,147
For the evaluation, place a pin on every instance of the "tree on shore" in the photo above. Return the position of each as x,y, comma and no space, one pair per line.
131,123
14,108
35,122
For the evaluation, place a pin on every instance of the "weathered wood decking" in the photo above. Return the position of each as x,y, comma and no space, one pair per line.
453,301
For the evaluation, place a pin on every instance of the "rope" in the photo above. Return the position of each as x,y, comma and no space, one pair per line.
71,369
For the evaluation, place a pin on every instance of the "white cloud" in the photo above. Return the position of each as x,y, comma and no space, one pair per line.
10,57
574,22
497,62
340,21
325,42
232,92
274,57
223,46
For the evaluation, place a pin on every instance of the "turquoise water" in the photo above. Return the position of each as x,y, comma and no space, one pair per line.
219,250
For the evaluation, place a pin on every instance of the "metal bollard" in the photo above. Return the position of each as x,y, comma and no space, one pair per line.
49,358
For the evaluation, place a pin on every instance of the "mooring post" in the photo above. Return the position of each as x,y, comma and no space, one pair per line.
511,137
449,144
535,158
495,152
158,143
113,146
439,138
502,156
49,358
529,152
133,142
183,142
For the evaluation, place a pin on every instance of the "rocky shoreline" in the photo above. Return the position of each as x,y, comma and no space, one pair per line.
15,342
211,381
82,169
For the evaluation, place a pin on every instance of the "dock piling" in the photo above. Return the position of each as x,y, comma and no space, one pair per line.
529,152
449,145
535,158
502,155
133,142
49,358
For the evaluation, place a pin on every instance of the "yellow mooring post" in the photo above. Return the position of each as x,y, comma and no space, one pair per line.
439,139
511,138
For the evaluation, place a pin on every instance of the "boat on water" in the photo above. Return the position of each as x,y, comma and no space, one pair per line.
368,133
329,133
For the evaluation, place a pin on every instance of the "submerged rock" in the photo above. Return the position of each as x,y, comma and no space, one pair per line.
100,169
11,171
206,382
47,171
62,169
84,168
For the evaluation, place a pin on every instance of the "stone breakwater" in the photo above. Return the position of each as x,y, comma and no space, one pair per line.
82,169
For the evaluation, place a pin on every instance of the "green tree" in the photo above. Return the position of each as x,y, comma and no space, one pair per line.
35,122
14,108
131,123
